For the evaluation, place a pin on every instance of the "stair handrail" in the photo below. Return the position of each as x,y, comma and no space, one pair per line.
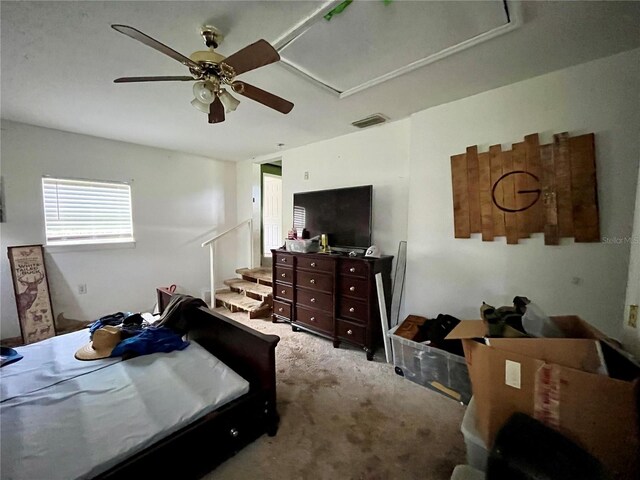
213,239
212,253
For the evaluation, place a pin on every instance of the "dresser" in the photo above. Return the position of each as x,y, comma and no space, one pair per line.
333,296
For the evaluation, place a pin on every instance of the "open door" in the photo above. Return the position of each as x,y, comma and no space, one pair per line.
271,221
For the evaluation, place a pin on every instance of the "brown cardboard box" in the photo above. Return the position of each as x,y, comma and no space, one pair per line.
410,326
563,382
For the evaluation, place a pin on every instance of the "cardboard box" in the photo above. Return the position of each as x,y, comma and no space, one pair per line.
563,382
410,326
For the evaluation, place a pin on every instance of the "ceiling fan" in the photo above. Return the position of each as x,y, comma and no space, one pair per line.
213,72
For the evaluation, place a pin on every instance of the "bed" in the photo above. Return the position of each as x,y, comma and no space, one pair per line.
222,398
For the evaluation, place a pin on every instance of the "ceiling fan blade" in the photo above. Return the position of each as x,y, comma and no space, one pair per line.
152,79
252,56
263,97
162,48
216,111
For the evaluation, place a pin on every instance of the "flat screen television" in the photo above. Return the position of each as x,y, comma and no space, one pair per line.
343,213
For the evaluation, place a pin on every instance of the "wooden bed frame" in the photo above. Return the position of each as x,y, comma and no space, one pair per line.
199,447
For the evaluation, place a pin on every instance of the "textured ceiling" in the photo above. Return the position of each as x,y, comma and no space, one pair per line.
385,37
59,59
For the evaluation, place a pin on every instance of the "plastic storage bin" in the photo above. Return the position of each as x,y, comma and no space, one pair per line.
466,472
477,453
431,367
301,246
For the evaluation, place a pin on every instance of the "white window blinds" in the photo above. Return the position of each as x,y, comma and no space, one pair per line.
85,211
299,217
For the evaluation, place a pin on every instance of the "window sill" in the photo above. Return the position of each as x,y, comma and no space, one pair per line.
88,247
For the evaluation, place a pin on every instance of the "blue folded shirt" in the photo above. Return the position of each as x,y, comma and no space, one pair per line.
150,340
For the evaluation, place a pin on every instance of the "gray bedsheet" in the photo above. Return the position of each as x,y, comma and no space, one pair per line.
79,426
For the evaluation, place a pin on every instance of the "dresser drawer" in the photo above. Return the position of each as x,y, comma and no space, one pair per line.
284,275
315,319
280,290
351,332
312,299
282,309
353,267
316,264
284,259
353,309
354,287
322,282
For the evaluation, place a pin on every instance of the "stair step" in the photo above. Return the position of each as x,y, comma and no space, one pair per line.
238,302
243,286
258,275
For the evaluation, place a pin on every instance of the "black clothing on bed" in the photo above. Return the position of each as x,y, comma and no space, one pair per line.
130,324
174,315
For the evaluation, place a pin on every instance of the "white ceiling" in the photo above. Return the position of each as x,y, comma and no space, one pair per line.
386,37
58,61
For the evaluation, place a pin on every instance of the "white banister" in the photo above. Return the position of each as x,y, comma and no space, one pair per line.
213,239
212,254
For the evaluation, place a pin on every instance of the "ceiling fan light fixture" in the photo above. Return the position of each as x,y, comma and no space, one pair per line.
211,72
229,101
204,92
203,107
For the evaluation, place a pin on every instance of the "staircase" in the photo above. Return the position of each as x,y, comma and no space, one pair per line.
251,293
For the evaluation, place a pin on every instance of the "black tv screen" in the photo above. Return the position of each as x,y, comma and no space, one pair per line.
344,214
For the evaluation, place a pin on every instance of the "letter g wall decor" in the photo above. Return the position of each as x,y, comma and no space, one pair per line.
531,188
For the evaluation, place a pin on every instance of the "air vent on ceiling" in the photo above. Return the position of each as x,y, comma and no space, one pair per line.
374,119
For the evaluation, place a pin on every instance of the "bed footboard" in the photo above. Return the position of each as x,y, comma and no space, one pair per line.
248,352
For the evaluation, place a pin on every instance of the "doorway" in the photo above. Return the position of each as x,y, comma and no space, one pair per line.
271,217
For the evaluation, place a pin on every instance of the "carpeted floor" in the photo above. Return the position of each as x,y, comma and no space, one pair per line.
345,418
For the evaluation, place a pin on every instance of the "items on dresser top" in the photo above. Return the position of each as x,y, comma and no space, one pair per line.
331,295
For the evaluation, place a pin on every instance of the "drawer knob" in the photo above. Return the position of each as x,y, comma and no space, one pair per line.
313,281
283,275
349,332
313,264
352,310
313,300
283,291
313,319
281,309
352,269
352,289
234,432
284,260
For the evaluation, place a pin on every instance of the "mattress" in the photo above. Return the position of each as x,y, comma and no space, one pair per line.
78,419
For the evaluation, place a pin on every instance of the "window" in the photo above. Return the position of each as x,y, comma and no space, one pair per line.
85,211
299,217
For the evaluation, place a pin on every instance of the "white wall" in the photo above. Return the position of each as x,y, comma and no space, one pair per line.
377,156
179,200
414,198
451,275
631,336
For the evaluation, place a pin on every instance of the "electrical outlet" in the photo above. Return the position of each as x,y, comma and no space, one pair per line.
82,288
633,316
306,175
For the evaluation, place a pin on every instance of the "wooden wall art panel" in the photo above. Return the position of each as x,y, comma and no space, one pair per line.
531,188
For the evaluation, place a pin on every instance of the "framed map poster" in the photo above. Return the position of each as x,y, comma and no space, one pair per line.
31,288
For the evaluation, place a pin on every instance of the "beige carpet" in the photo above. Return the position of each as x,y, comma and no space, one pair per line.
345,418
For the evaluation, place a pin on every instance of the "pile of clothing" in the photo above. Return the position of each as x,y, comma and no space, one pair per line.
129,335
525,317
